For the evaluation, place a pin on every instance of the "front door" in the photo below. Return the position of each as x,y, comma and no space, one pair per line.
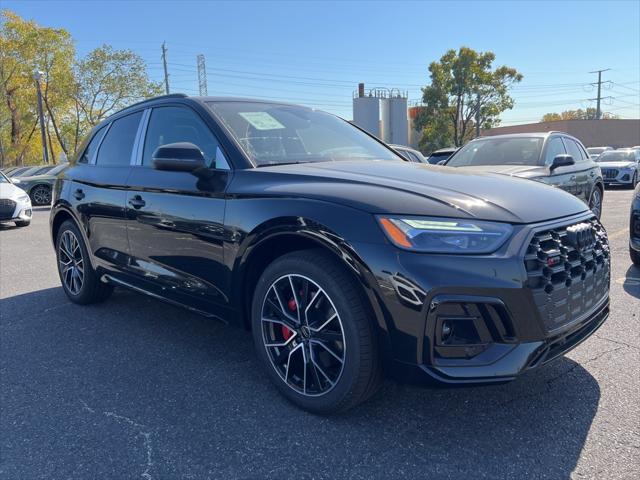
176,219
561,177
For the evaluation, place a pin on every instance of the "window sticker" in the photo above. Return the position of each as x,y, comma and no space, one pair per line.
261,120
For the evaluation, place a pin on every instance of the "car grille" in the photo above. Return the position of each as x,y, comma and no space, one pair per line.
7,207
567,280
609,173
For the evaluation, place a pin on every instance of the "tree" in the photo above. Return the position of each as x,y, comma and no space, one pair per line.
588,114
25,48
463,87
108,80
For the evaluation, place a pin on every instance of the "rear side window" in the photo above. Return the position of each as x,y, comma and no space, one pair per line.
118,143
554,148
90,151
178,124
573,149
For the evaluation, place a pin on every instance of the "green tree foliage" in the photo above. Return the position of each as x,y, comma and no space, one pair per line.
77,93
463,84
588,114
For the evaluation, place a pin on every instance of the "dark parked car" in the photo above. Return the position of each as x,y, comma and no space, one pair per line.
634,228
339,258
441,156
554,158
40,185
409,154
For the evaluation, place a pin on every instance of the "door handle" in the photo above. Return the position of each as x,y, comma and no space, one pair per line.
572,178
137,202
78,194
592,173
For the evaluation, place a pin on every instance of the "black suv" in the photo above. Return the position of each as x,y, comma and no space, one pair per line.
554,158
340,257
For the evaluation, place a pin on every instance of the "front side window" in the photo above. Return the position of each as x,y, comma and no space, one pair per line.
272,134
117,145
554,148
180,124
573,150
499,151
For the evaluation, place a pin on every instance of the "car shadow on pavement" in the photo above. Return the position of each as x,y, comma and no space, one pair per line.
631,283
202,407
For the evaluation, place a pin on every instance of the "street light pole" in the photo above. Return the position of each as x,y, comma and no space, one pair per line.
45,155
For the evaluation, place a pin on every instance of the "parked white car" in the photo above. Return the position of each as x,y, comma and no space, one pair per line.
620,166
15,204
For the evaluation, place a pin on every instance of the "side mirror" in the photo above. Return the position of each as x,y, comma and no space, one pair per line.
562,160
178,157
15,181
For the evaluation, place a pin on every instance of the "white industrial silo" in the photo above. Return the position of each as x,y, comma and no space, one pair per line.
395,124
366,111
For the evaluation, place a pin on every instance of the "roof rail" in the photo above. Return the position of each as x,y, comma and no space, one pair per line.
161,97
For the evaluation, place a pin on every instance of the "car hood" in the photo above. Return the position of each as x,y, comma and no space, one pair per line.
523,171
413,189
10,191
616,164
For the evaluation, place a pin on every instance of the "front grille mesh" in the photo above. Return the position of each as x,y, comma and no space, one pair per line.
7,207
567,282
609,173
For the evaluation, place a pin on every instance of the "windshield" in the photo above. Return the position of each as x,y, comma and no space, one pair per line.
595,150
3,179
499,151
272,134
616,156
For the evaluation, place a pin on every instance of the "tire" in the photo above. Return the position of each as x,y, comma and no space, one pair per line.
634,181
40,195
79,281
595,202
334,306
22,223
635,256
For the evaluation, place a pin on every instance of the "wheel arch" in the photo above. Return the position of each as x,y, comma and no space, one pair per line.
59,215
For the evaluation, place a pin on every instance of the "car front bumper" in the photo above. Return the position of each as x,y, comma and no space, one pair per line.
14,209
617,176
503,316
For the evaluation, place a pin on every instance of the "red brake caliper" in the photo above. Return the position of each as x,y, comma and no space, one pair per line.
286,332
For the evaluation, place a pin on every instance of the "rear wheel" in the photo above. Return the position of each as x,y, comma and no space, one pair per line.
41,195
79,281
595,204
312,333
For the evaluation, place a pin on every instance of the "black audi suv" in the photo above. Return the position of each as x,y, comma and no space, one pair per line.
344,261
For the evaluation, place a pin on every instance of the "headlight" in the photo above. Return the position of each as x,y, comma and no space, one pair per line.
445,235
23,198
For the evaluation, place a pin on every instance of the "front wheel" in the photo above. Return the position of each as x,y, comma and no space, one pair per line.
634,181
313,334
79,280
635,256
595,204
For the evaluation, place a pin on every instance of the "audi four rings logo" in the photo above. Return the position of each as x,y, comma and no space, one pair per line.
581,235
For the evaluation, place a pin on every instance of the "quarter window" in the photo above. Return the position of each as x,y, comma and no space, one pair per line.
554,148
90,151
118,144
179,124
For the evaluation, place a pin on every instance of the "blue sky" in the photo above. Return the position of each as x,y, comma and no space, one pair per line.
316,52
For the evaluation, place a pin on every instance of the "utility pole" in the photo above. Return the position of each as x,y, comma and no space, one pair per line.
164,63
45,155
477,115
599,98
202,76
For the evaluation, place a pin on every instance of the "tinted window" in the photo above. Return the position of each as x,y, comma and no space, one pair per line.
555,147
499,151
91,148
179,124
118,144
573,150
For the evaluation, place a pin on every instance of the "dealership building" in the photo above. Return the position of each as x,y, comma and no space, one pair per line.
592,133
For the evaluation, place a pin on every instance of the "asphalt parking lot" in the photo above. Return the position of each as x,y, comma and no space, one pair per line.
134,388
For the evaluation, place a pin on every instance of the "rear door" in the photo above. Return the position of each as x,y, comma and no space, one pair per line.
98,189
175,219
561,177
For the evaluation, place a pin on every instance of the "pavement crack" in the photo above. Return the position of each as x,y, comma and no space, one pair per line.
142,430
616,341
